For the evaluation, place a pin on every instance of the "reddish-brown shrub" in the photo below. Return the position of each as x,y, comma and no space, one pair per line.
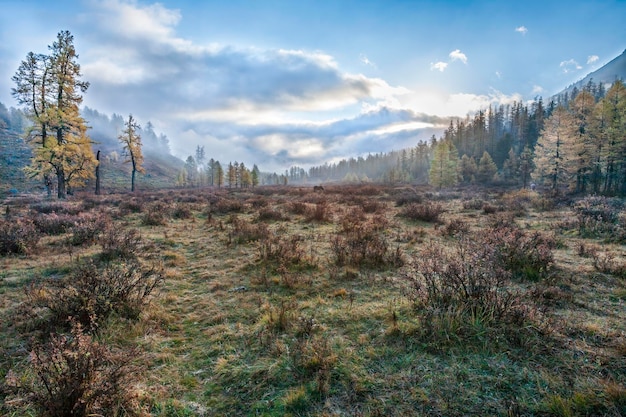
426,212
73,375
54,224
321,212
88,228
19,237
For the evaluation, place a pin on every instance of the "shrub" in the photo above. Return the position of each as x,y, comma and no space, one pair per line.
426,212
462,291
154,218
270,214
53,224
524,255
131,206
456,227
599,217
243,231
225,206
473,204
89,295
118,243
72,375
298,207
364,246
57,207
409,198
321,212
88,227
19,237
181,211
285,250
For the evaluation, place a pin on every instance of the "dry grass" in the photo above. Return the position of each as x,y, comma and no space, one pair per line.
256,316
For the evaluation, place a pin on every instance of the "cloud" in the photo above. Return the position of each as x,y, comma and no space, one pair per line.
537,89
521,29
458,55
570,66
364,59
440,66
498,74
591,59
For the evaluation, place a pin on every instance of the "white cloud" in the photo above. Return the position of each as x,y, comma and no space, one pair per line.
537,89
570,65
521,29
458,55
440,66
592,59
498,74
364,59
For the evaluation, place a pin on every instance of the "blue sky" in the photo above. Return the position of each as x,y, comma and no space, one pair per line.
303,82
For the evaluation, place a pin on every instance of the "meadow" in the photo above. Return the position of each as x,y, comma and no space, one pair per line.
355,300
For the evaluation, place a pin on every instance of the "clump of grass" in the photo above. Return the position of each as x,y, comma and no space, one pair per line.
226,206
600,217
268,214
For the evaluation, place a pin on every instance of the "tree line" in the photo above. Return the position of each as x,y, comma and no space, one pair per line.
577,143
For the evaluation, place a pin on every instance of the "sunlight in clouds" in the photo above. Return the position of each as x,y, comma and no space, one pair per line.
521,29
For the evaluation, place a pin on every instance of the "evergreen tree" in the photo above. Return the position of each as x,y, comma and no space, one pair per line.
219,174
255,174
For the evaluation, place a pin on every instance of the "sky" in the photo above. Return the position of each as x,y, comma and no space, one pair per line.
279,83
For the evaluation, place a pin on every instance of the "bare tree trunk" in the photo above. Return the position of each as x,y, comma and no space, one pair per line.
98,173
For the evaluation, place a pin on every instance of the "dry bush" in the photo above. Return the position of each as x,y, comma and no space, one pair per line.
473,204
361,244
133,205
226,206
156,214
119,243
181,211
243,231
89,295
54,224
460,287
298,207
427,212
600,217
88,227
267,214
321,212
455,227
524,255
18,237
373,206
287,251
607,263
73,375
409,198
58,207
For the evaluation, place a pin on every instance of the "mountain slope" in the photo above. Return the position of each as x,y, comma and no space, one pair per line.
607,74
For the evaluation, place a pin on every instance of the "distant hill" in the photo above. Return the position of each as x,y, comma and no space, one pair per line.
14,155
607,75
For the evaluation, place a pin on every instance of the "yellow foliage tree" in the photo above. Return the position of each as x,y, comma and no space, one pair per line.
132,148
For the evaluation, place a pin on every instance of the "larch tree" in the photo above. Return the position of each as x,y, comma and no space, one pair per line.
555,153
444,167
131,140
487,169
50,88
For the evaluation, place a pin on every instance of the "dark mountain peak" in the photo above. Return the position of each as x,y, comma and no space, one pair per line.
607,74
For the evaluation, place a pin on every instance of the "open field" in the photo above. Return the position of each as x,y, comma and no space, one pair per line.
354,301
